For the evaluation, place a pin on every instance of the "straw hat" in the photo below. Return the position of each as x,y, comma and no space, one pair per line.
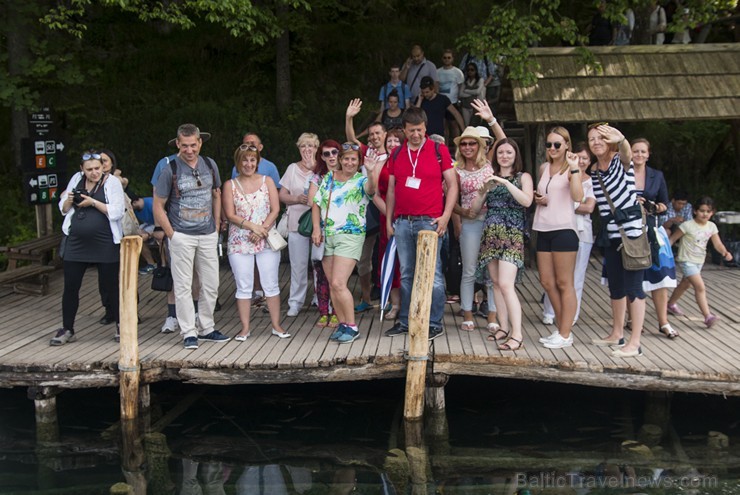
470,132
484,134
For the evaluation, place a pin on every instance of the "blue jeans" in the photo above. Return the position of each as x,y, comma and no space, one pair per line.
406,232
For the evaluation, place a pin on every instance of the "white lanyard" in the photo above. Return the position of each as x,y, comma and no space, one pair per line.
415,162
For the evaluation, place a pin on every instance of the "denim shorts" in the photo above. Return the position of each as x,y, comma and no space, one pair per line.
690,269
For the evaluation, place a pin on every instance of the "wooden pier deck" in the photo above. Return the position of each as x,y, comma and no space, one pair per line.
700,361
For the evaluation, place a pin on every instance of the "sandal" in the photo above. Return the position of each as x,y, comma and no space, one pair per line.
493,327
323,321
493,336
506,346
333,322
467,326
668,331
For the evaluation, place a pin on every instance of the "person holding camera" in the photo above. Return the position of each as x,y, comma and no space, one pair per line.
92,206
652,193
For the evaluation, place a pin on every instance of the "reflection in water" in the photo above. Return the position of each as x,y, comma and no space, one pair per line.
496,438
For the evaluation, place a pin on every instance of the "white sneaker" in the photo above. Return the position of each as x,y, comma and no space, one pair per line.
548,320
170,325
292,312
558,342
549,337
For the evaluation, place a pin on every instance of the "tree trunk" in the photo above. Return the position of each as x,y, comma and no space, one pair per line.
641,34
16,34
283,97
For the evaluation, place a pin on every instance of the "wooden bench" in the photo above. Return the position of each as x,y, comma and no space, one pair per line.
37,250
16,275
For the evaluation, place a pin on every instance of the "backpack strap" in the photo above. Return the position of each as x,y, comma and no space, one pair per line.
173,167
214,171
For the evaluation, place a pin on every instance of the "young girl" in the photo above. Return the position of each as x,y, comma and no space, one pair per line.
691,254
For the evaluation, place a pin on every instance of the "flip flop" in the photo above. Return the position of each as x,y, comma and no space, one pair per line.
506,346
467,326
493,327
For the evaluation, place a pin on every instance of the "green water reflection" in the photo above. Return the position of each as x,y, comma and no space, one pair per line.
496,437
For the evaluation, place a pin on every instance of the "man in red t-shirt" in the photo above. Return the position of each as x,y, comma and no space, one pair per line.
422,190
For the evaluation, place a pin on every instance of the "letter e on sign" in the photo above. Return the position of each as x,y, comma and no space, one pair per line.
40,161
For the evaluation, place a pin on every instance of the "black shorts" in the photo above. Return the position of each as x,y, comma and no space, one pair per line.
558,241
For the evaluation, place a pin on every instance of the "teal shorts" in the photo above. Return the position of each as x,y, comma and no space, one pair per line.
344,245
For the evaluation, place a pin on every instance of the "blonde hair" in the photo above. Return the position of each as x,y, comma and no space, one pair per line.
480,158
308,138
563,133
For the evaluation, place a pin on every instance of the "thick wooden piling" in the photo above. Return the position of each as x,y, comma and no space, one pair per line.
419,310
128,362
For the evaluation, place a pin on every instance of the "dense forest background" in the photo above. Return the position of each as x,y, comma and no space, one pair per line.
127,84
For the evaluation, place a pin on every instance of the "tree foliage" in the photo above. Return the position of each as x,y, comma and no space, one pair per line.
513,27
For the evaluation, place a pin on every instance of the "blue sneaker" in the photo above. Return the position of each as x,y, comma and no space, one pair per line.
338,332
146,270
214,336
363,306
190,343
348,336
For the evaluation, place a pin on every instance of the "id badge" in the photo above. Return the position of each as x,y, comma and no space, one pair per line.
413,182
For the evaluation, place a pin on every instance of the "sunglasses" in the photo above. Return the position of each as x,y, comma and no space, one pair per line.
549,145
329,153
196,174
247,147
91,156
351,146
597,124
468,143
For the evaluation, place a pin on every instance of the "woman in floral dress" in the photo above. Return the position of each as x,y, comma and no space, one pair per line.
507,196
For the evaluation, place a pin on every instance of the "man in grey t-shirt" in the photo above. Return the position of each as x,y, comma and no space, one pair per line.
187,205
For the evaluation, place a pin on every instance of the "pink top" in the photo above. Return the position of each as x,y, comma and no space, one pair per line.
558,214
471,182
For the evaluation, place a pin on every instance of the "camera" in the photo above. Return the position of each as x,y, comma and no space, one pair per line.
77,195
650,207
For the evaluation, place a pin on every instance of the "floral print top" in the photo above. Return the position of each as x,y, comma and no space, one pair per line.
348,204
254,207
470,183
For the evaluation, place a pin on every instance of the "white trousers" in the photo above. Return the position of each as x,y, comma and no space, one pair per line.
299,249
268,264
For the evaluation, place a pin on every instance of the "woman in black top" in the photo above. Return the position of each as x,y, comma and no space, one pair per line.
93,206
391,116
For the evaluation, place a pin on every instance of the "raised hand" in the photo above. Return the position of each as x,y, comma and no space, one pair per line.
482,109
610,134
354,107
572,160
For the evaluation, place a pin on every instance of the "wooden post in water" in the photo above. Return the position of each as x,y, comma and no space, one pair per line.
419,309
128,362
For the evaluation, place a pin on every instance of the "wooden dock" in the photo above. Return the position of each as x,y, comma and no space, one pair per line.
699,361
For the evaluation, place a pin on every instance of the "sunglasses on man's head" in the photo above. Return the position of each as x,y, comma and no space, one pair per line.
247,147
351,146
91,156
549,145
329,153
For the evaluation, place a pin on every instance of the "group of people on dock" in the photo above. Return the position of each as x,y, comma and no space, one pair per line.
342,198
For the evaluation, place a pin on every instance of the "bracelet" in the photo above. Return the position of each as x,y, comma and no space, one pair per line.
621,141
492,122
575,171
94,205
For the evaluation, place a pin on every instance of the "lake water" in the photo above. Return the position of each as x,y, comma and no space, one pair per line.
498,437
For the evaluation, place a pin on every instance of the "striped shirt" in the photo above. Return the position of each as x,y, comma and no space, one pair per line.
621,187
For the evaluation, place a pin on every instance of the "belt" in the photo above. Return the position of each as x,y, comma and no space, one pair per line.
415,217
